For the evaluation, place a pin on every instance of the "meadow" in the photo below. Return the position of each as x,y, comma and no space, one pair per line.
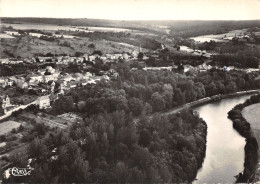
252,115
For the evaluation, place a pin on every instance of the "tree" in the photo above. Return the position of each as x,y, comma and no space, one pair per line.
180,68
145,137
92,46
81,105
178,98
98,52
136,106
37,149
167,95
157,101
78,54
140,55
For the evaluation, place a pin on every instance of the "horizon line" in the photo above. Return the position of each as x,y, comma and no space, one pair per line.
137,19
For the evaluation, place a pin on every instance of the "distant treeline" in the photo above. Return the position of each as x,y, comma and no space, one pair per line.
240,61
198,28
137,40
183,28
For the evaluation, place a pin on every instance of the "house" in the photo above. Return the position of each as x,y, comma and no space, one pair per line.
3,82
67,78
85,56
157,68
125,56
50,69
103,58
4,61
72,84
230,68
118,56
23,85
93,57
84,82
226,69
77,76
5,101
53,77
110,56
14,79
10,82
134,53
35,78
106,78
145,57
187,68
43,102
41,59
207,55
20,81
59,59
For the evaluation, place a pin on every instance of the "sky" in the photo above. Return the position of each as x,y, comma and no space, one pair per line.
134,9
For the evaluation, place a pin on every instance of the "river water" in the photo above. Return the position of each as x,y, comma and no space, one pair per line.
225,147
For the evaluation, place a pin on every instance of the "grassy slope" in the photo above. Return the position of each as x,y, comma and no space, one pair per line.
28,47
252,115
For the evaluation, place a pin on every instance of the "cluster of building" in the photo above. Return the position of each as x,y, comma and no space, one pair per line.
71,59
44,82
50,74
242,37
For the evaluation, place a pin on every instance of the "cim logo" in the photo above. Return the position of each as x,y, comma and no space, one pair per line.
17,172
20,171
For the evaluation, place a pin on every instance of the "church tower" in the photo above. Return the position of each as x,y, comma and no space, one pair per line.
140,48
52,87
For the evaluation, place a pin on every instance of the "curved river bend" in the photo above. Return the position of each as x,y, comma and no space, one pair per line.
225,147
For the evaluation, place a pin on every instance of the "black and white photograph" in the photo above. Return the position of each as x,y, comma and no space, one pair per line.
130,91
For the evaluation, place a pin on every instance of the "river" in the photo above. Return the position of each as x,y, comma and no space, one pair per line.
225,147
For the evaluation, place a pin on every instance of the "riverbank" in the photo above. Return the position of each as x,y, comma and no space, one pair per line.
251,171
251,114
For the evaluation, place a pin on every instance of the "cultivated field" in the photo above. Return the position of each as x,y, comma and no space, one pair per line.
7,126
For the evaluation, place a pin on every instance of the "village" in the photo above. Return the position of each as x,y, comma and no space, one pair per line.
44,82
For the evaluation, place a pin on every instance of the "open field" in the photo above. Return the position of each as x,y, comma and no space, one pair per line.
7,126
252,115
3,35
49,27
29,47
219,37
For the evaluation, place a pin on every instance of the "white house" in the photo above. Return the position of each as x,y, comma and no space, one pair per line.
43,102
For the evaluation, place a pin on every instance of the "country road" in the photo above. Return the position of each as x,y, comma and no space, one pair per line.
199,102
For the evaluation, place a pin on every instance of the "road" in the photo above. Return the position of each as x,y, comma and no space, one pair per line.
198,102
9,113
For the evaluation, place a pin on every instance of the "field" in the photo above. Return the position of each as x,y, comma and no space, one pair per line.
3,35
252,115
28,46
7,126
